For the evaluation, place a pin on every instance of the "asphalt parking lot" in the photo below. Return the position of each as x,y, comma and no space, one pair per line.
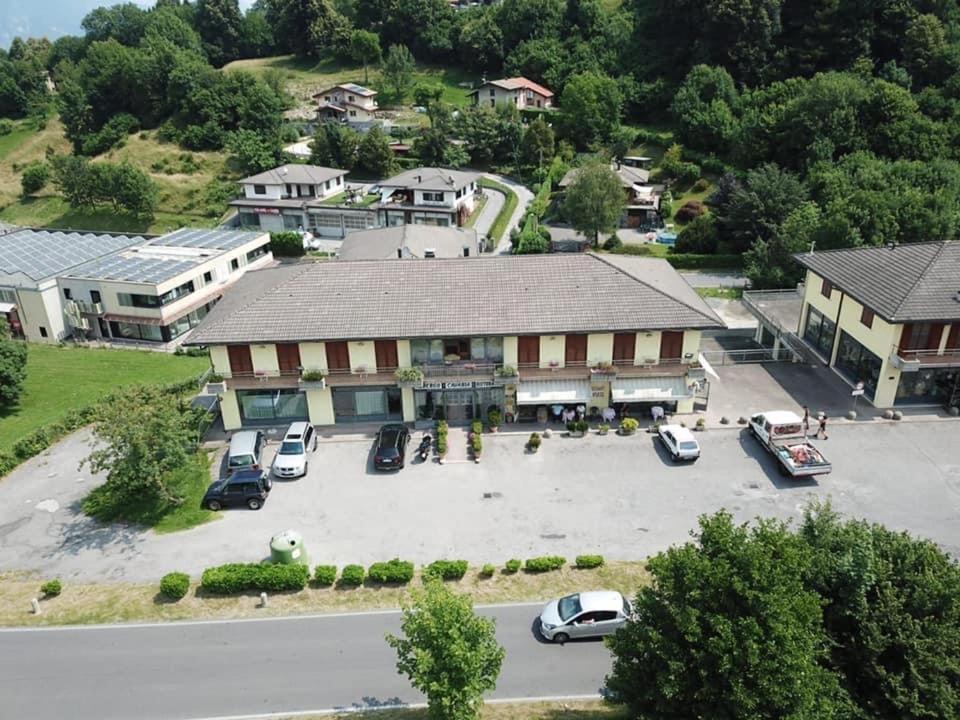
619,496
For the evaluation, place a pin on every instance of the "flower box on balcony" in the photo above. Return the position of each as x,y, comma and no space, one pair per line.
216,388
603,370
409,377
505,375
312,380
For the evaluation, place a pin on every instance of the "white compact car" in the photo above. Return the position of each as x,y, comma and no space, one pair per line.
679,442
586,614
291,459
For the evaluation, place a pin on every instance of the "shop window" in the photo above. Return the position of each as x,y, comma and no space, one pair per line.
826,288
866,317
270,405
819,331
857,364
927,387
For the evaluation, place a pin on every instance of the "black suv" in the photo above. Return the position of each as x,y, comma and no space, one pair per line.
391,449
244,487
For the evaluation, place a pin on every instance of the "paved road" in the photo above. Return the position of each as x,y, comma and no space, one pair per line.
186,670
489,212
524,196
618,496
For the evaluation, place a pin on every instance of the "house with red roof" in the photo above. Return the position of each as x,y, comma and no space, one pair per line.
519,91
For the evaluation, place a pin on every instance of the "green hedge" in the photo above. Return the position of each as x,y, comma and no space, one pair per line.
175,585
325,575
512,566
352,576
488,570
394,572
544,563
499,227
446,569
244,577
690,261
585,562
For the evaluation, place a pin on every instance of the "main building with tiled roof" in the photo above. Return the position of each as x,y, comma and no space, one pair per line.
520,333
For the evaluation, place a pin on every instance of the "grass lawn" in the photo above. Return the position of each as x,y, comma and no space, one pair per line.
566,710
499,227
472,220
127,602
305,78
183,179
64,378
728,293
22,147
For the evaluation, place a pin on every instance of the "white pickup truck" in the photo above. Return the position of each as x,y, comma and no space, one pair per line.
781,433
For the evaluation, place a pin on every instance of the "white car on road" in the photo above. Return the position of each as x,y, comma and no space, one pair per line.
679,442
586,614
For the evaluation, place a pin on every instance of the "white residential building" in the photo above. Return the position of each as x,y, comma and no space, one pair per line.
429,196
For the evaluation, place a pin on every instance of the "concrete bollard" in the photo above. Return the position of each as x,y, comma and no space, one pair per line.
263,599
35,606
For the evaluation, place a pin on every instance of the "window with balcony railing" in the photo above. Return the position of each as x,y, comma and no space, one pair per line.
440,351
155,301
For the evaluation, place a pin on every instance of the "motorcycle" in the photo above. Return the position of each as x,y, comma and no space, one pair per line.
423,452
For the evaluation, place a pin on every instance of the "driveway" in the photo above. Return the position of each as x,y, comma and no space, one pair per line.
618,496
489,212
524,197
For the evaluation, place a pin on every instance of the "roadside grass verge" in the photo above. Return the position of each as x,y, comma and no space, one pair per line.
83,604
60,379
472,220
189,481
499,227
565,710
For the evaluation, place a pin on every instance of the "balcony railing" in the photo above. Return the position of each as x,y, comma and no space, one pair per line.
910,360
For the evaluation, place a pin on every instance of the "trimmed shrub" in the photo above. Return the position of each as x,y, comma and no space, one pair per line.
352,576
325,575
446,569
175,585
244,577
544,563
585,562
34,178
487,570
6,126
476,427
51,588
690,211
689,261
286,244
534,442
701,185
613,242
394,572
633,250
629,425
512,566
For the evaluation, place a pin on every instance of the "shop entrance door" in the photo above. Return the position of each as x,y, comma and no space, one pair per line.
458,406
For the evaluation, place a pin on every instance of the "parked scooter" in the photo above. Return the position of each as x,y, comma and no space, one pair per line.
423,452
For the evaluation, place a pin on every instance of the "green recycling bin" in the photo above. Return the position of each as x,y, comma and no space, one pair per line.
287,548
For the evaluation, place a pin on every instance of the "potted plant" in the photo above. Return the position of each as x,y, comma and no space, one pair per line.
216,384
578,428
442,440
408,376
628,426
494,418
603,429
534,442
313,379
701,424
476,444
451,359
603,370
505,374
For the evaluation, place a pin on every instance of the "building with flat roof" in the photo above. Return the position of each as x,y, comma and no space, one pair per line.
55,285
409,241
423,339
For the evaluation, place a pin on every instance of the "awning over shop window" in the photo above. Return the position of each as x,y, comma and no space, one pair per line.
649,389
545,392
6,307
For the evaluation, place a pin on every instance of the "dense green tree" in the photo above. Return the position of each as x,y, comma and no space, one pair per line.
891,606
254,152
523,20
594,200
256,35
705,109
758,207
220,24
434,146
543,60
450,653
335,145
769,262
398,67
727,629
13,367
590,108
308,27
924,46
492,134
481,43
35,177
131,190
537,145
365,48
374,154
430,28
125,23
700,236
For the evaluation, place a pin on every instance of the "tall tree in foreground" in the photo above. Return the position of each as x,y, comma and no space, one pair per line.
13,367
365,48
727,630
449,653
220,24
594,200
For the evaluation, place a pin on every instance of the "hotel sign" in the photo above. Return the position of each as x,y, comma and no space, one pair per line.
457,385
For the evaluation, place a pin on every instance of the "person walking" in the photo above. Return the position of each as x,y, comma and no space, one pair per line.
823,427
806,421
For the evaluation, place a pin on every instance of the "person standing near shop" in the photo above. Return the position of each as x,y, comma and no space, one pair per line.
822,430
806,421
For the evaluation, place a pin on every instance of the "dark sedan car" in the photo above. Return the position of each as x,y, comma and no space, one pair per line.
391,448
244,487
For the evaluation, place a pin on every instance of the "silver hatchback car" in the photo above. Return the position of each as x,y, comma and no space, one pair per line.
582,615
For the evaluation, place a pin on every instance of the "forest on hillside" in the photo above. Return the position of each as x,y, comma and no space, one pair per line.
826,122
